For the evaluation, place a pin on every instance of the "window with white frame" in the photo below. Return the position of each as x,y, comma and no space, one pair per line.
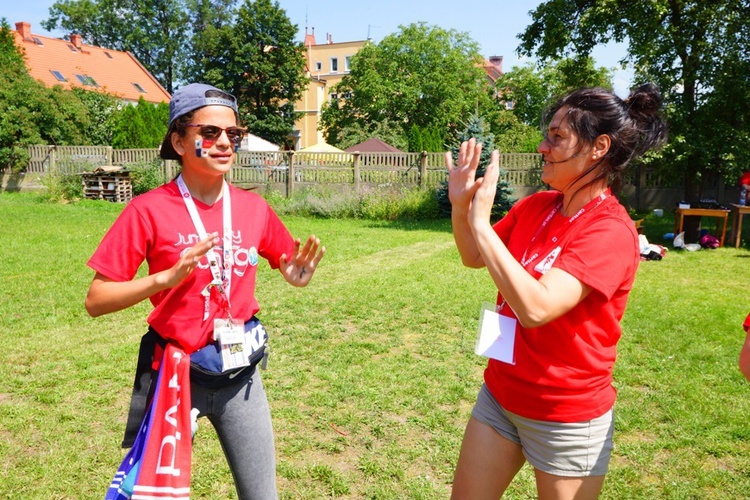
348,63
334,65
318,66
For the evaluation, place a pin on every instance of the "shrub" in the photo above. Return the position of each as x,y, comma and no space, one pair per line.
146,175
62,187
370,204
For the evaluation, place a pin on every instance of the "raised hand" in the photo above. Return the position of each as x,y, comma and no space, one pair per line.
462,181
484,196
188,261
299,270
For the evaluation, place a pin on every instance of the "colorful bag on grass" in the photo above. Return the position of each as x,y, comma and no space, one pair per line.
158,464
709,241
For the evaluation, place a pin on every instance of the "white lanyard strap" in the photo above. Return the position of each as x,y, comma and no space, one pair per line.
221,280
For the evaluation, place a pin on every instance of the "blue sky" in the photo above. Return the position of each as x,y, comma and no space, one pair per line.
494,25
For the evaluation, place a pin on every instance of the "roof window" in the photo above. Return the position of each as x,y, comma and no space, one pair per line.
60,77
37,41
108,54
138,86
87,80
72,48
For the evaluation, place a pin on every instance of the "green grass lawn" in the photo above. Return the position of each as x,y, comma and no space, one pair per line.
372,374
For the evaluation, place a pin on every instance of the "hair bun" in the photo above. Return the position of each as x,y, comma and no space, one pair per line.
644,108
644,100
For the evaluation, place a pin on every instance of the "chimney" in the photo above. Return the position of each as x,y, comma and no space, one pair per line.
24,29
75,39
497,61
309,38
329,38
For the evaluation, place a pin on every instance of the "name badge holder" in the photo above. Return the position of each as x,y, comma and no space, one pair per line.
230,333
496,338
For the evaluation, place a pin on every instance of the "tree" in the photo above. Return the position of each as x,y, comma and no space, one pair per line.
426,139
102,108
423,75
31,113
698,53
155,31
259,61
514,136
476,127
208,20
141,126
385,131
531,91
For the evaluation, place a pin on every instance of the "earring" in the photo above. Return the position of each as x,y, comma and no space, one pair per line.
593,157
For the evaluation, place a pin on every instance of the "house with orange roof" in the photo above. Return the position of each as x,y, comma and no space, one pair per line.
72,63
493,67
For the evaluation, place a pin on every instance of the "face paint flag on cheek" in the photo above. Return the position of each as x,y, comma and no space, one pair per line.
202,146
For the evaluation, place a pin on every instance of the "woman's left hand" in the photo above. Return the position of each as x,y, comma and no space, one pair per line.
484,197
299,270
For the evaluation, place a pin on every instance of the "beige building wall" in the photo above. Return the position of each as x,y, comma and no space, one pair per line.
327,64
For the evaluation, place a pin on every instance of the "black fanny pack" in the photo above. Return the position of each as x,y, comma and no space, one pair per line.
205,370
206,364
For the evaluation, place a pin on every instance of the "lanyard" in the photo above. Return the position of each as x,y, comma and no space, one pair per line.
220,280
590,206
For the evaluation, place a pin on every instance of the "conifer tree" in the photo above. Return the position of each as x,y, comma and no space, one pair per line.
476,127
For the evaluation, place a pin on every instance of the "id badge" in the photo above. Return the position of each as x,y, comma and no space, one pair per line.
497,335
231,337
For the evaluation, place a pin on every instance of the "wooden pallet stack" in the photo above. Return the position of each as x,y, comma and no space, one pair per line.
108,183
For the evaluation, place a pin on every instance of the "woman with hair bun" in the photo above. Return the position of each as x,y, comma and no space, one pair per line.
564,262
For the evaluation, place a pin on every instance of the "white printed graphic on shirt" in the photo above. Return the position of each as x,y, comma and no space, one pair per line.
546,263
243,257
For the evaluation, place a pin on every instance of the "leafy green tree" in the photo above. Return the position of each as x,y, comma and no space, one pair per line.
31,113
208,20
527,91
698,53
530,91
385,131
514,136
426,139
155,31
102,108
423,75
477,128
259,61
141,126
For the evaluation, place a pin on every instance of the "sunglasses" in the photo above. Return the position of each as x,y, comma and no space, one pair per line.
213,132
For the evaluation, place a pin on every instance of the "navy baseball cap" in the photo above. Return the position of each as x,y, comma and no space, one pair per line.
187,99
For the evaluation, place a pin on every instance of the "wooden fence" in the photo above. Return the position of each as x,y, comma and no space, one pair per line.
287,171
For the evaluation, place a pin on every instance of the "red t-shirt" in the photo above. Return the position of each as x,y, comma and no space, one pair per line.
156,227
745,179
563,370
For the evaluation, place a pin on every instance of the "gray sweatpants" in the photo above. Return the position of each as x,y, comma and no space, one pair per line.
242,420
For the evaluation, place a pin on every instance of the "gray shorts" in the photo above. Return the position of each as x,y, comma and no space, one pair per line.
576,449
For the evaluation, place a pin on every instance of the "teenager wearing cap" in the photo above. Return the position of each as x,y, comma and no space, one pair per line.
564,262
202,239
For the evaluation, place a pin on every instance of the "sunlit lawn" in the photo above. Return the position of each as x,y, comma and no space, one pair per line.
372,373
